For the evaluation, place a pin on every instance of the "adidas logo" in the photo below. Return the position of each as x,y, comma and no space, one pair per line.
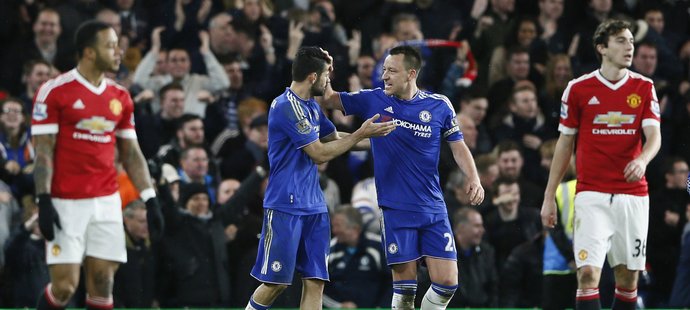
78,105
593,100
389,109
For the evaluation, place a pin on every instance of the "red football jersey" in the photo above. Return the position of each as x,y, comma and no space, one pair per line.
85,119
608,118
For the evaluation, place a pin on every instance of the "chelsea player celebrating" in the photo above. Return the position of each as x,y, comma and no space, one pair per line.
415,220
296,232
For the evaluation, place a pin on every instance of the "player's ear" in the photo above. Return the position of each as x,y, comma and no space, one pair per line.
89,52
412,75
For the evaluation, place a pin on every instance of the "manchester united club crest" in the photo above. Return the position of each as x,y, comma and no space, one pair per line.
55,250
115,107
582,255
634,100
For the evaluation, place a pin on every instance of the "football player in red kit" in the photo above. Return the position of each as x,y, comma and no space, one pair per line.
607,112
78,120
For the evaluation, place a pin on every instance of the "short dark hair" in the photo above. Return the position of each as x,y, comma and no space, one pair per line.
462,216
29,65
670,162
87,35
504,181
309,59
515,50
169,86
605,30
412,58
507,146
186,118
484,162
185,152
647,43
522,86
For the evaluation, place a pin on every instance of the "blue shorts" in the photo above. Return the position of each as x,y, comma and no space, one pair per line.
407,236
292,242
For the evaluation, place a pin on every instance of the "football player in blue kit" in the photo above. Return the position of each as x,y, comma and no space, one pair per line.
296,229
415,220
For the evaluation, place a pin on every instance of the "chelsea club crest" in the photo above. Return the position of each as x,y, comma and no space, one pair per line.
425,116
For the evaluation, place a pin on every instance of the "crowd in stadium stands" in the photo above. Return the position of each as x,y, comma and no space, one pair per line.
203,73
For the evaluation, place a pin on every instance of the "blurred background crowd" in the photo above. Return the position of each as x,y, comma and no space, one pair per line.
202,74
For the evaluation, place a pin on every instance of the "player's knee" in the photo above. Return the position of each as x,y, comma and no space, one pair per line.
447,279
588,277
103,282
63,290
275,289
626,278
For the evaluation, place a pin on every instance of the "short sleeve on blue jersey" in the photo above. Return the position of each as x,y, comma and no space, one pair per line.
293,121
450,129
326,125
355,103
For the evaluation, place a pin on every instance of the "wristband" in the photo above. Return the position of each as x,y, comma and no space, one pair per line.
147,194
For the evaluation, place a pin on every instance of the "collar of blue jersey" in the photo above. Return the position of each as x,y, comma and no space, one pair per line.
408,100
296,95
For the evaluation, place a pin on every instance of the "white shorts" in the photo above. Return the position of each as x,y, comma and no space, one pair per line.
613,226
90,227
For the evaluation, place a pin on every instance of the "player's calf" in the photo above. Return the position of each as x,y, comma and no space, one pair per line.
48,299
626,288
264,296
438,296
626,299
404,292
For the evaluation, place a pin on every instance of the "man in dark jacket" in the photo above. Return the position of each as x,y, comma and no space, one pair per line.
194,262
666,222
357,266
27,271
476,263
194,266
135,280
521,276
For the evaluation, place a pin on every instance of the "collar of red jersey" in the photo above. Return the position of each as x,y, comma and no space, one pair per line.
82,80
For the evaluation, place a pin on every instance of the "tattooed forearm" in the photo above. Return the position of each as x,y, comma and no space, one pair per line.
135,163
43,165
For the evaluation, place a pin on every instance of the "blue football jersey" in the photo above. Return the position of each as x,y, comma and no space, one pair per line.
293,183
406,161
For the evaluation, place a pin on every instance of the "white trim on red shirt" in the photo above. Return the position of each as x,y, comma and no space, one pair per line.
44,129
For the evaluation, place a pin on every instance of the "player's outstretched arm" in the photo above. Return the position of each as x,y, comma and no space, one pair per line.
363,145
559,165
323,152
635,169
464,160
43,175
138,171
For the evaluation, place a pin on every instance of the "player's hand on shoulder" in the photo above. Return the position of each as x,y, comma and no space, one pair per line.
548,213
372,129
634,170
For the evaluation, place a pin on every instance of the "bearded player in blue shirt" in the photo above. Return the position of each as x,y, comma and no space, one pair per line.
296,229
415,220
